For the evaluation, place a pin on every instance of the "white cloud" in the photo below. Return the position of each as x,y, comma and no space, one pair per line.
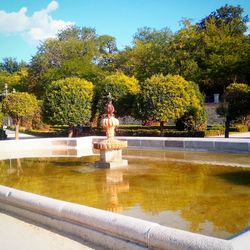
13,21
35,28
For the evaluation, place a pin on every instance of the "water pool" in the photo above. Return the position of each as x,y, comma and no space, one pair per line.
176,189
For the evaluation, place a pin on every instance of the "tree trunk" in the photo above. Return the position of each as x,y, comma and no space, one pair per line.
227,126
17,129
162,128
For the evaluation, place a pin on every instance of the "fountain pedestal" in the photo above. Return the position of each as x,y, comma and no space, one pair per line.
110,149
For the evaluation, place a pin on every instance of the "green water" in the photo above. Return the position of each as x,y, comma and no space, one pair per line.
162,187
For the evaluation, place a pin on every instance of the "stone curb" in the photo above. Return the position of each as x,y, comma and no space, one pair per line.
104,228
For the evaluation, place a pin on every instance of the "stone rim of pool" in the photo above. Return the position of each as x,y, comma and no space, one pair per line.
157,237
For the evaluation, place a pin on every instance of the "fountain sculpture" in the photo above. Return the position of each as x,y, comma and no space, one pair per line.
110,148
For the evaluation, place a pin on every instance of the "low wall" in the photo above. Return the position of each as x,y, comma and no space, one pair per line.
190,144
109,230
46,147
83,146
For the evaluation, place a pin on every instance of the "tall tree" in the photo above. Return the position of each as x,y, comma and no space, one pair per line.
227,15
222,48
148,55
76,52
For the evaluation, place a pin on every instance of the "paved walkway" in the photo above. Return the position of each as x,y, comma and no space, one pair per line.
11,135
17,234
243,135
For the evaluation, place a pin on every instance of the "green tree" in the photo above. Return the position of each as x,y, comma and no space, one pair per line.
16,80
229,15
20,106
214,52
237,104
221,54
123,90
68,101
10,65
76,52
148,55
195,118
183,51
164,98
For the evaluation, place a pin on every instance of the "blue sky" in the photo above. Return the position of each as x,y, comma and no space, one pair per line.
23,23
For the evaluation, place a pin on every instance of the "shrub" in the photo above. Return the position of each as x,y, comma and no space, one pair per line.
68,101
3,135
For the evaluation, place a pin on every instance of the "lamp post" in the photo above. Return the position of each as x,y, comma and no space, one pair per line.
5,89
4,94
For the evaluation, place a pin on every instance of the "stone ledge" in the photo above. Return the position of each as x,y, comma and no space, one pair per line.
104,228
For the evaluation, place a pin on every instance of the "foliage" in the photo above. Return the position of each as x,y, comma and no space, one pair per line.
10,65
237,104
239,128
16,80
212,53
183,49
195,118
3,135
148,55
229,15
20,106
237,97
192,120
76,52
68,101
164,98
123,90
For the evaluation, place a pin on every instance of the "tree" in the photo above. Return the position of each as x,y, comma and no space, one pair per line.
68,101
227,15
221,54
195,118
16,80
183,52
148,55
123,90
10,65
76,52
20,106
164,98
237,104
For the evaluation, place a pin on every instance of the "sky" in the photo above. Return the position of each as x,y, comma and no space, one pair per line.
24,24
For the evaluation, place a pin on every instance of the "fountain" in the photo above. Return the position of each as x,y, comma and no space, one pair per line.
110,148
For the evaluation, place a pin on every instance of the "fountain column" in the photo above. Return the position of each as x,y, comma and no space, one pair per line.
110,148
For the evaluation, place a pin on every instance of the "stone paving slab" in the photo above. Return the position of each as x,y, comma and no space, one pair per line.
17,234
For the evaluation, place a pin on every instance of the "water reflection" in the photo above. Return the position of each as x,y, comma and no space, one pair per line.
209,199
15,168
114,185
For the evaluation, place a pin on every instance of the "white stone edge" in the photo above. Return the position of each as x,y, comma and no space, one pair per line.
101,227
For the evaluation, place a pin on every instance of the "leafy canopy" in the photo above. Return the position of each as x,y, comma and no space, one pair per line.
237,97
20,105
76,52
68,101
123,90
165,97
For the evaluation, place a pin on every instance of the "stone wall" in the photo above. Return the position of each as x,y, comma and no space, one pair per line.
213,117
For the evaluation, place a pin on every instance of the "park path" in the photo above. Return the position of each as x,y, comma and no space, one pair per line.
17,234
